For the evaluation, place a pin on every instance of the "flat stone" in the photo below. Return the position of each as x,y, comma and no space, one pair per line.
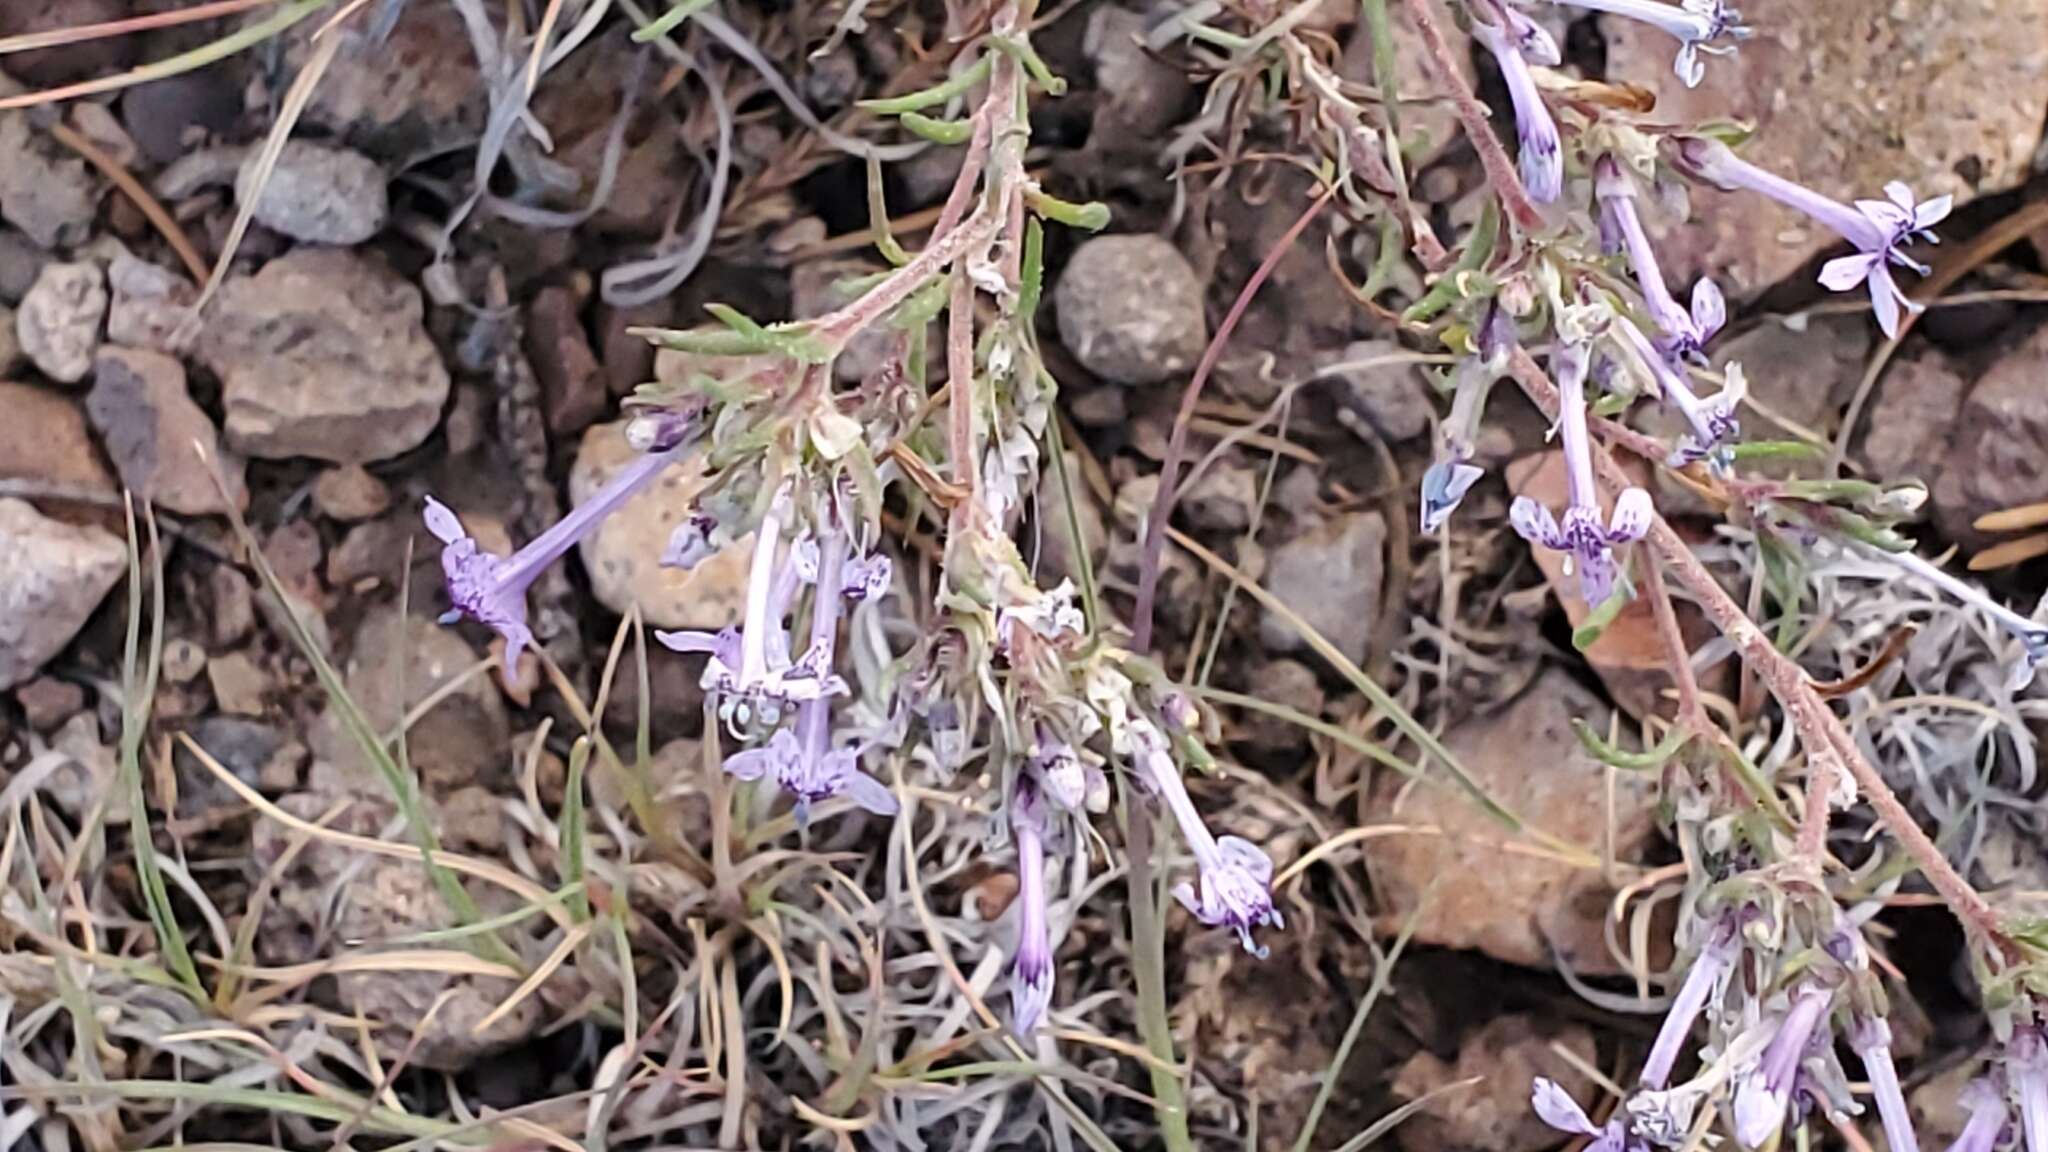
324,353
1470,894
1130,309
239,685
47,702
1999,455
623,554
1494,1115
318,194
52,576
1389,394
58,324
233,600
1330,576
156,434
1847,95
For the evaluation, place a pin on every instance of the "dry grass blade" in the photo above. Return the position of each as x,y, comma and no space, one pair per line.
242,40
57,37
571,941
2010,553
152,209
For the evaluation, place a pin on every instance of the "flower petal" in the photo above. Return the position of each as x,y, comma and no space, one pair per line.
1185,893
1884,300
443,523
1244,854
1557,1108
871,794
1899,193
1932,212
1709,308
1633,512
751,764
1758,1112
1534,523
1846,272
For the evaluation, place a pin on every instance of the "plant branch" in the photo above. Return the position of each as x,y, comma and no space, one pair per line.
1827,744
1476,121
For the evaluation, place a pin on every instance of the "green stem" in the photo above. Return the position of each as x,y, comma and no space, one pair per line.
1148,964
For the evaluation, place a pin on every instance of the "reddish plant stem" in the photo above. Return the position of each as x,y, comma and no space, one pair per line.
1177,444
1690,712
1827,744
1474,118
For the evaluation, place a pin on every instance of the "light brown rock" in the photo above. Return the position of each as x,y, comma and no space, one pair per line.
623,554
1494,1114
44,440
1475,893
1846,95
58,324
460,741
350,493
324,353
412,93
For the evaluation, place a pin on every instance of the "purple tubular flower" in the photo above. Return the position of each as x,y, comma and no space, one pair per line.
2026,1069
1542,152
1451,474
1761,1098
803,762
690,544
1871,1037
1031,973
1684,333
1587,539
1235,876
1986,1105
750,667
492,589
1880,229
1695,24
1556,1108
1708,970
1714,423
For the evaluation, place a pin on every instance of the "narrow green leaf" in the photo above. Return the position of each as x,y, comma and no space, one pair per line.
669,21
1643,761
1090,217
948,132
957,84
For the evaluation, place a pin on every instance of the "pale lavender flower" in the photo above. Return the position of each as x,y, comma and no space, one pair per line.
1871,1037
750,667
1713,424
1880,229
2032,635
1235,877
491,589
1761,1098
691,543
1031,972
1709,969
1685,333
1695,24
1585,537
1451,474
1986,1105
804,762
1557,1108
1514,44
2026,1070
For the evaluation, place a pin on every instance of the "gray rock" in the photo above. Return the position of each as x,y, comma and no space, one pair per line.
1287,682
1222,497
58,324
623,554
52,576
324,353
1913,417
318,194
1803,369
462,740
246,748
66,63
1527,758
1493,1116
1390,396
415,92
20,263
1330,576
1141,96
1130,309
1999,457
1949,101
166,117
155,433
1055,532
150,304
45,190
